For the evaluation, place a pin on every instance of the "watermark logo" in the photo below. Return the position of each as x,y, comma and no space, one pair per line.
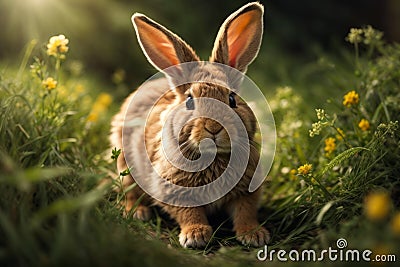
341,243
177,116
340,253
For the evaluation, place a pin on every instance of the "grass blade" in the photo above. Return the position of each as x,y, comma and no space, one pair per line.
341,158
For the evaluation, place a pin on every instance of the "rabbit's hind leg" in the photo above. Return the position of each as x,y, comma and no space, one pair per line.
135,200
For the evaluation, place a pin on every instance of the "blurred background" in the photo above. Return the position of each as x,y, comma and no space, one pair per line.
103,40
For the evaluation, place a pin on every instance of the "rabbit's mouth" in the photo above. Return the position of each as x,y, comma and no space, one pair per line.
195,139
194,148
214,146
211,144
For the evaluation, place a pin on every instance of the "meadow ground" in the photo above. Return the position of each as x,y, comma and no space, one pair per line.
335,174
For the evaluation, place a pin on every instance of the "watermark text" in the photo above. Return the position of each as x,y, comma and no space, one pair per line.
340,253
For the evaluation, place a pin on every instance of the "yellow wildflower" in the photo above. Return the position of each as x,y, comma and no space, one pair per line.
371,35
339,136
364,125
79,89
330,145
354,35
49,84
100,105
377,205
102,102
395,225
320,114
351,98
104,99
304,169
292,174
57,45
316,128
93,117
118,76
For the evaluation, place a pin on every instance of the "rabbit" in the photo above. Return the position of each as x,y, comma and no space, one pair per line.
236,45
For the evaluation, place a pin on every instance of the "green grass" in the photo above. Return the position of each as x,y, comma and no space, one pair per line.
56,210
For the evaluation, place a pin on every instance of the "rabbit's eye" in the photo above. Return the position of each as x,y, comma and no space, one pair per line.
189,103
232,101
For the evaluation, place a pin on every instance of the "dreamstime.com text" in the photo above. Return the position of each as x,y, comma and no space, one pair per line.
340,253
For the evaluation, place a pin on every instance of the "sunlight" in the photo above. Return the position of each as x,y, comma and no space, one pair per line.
37,5
30,3
37,2
32,6
35,19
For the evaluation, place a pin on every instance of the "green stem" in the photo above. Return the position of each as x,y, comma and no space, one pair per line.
324,190
27,55
357,56
384,106
57,67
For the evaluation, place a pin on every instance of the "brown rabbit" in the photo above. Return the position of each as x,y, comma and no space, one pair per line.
236,45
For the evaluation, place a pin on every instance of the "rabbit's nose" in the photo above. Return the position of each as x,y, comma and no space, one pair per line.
212,126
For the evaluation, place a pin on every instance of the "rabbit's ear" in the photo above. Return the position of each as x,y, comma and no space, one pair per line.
239,37
162,48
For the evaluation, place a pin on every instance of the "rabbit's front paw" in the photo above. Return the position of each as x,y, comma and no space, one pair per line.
141,212
195,236
255,237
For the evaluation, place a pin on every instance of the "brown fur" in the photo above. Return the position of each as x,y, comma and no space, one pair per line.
237,45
